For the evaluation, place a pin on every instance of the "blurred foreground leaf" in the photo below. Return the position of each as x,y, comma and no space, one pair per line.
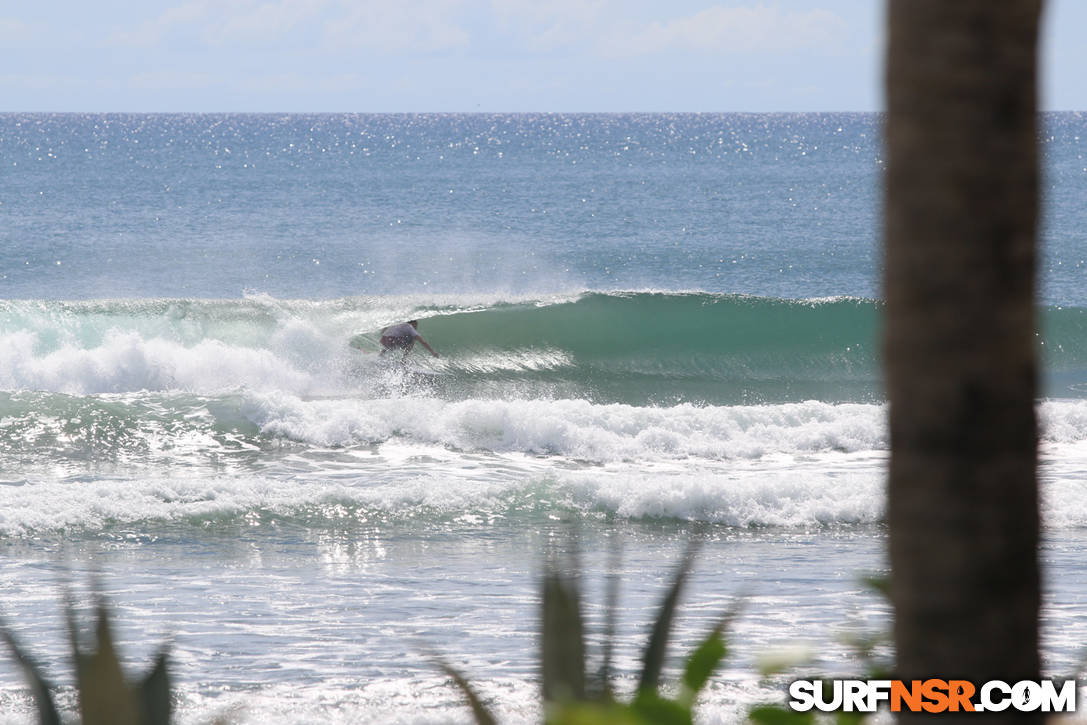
482,715
571,697
778,715
39,686
106,697
562,641
655,650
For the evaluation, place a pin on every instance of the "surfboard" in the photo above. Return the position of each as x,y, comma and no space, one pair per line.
362,342
423,372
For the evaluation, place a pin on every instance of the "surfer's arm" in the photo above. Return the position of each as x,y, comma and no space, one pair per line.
424,343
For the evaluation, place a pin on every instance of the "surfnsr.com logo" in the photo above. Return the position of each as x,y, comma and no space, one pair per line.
933,695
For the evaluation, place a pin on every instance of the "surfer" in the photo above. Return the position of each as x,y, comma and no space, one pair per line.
403,337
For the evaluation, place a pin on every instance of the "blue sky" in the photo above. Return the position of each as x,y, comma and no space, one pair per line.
468,55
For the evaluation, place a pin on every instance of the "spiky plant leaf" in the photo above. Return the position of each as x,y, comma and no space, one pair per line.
482,714
601,683
660,711
562,637
879,583
39,687
701,664
154,694
105,698
653,658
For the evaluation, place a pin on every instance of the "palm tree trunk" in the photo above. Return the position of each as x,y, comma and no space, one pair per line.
960,226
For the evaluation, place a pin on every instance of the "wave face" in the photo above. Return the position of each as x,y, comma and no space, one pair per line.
667,348
635,348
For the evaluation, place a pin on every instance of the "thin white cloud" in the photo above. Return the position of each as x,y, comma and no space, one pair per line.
547,25
173,80
722,30
37,82
264,23
11,29
151,32
381,25
220,22
302,83
406,25
16,34
428,26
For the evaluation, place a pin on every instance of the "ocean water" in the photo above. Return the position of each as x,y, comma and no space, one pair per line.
653,328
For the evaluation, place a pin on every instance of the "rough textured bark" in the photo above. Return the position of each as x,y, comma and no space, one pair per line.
960,226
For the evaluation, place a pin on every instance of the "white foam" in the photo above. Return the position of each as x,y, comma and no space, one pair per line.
787,465
1063,421
600,433
127,362
848,490
579,429
205,346
55,506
